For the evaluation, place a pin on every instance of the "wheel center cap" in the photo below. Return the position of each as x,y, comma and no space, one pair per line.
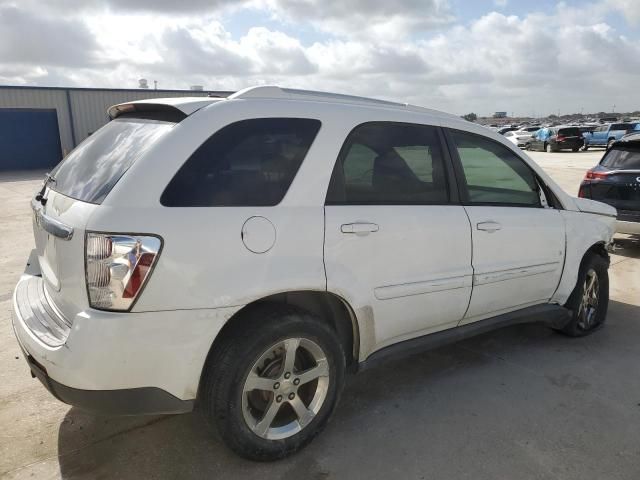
287,387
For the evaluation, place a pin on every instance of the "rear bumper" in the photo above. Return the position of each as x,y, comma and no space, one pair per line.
631,228
124,363
569,145
130,401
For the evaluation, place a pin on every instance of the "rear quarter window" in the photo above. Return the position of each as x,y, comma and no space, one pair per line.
247,163
622,158
93,168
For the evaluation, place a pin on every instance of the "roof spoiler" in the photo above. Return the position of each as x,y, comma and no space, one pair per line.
154,111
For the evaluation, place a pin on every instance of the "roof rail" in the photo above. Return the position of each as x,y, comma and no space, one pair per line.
275,92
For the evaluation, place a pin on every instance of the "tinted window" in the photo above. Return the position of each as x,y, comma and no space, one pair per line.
570,132
247,163
91,170
387,163
622,158
622,126
493,173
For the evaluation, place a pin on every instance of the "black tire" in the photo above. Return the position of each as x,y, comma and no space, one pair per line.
228,366
578,326
585,148
576,149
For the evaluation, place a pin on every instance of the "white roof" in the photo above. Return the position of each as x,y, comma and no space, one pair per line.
188,105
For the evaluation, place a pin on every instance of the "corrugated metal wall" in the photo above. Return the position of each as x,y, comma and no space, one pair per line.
41,98
88,106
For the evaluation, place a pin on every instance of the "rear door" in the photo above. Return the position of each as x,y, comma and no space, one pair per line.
518,242
396,246
75,188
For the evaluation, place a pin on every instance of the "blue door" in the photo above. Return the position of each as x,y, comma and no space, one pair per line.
29,139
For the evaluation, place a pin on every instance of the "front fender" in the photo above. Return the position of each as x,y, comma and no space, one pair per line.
583,231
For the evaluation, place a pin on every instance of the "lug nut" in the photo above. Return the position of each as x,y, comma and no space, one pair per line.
276,386
287,375
279,398
292,396
296,381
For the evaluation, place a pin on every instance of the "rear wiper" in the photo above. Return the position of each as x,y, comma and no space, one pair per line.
48,178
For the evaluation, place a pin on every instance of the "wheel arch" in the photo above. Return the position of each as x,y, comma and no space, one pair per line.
328,307
598,248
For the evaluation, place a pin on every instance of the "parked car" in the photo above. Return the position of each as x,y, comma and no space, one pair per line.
531,129
605,135
635,131
243,254
504,130
616,181
520,138
553,139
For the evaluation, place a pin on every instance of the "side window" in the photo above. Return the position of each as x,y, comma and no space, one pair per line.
387,163
247,163
494,174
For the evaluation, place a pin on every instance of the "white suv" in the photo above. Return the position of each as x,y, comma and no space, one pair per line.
242,254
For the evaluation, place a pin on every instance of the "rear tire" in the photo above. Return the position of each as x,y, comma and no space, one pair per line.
273,383
589,300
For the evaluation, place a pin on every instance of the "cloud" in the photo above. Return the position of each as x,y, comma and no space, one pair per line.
381,19
630,9
28,38
530,62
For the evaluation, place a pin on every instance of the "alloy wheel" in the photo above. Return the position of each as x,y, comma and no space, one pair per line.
589,305
285,388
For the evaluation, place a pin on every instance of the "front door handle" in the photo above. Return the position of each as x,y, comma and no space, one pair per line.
489,226
359,228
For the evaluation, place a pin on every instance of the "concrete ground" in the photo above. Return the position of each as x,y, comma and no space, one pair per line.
520,403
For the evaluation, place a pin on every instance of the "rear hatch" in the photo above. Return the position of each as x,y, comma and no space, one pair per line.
570,135
617,180
72,192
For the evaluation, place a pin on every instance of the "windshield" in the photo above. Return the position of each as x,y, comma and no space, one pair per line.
622,158
92,169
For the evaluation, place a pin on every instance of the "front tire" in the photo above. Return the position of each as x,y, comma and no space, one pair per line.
590,298
273,384
548,148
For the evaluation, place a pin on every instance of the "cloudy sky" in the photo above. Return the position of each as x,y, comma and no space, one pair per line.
527,57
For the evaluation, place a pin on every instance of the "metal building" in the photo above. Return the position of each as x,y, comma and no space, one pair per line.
39,125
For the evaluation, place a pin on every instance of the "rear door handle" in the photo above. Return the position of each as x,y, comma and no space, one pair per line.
359,228
489,226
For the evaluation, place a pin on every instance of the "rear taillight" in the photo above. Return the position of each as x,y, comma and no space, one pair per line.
591,175
560,138
117,267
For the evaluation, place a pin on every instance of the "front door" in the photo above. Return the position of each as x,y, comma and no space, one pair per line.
395,247
518,240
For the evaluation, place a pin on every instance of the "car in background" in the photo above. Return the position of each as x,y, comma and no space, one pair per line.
554,139
504,130
635,131
521,138
605,135
531,129
616,181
